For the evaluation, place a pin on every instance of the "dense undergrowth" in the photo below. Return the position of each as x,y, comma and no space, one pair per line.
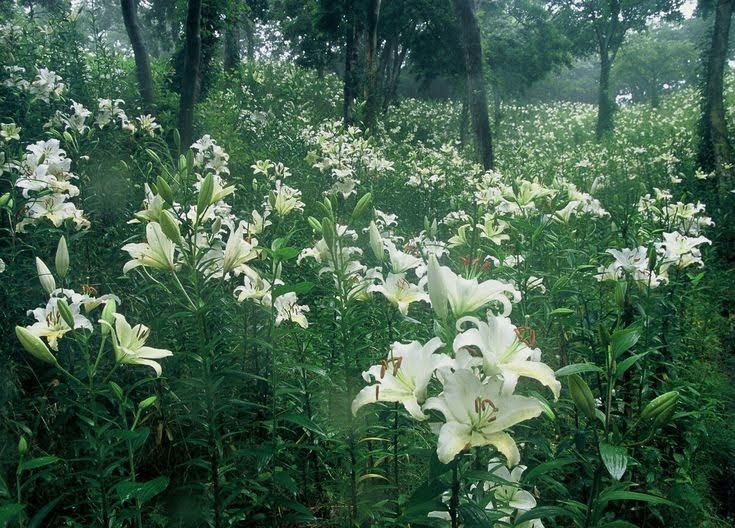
279,259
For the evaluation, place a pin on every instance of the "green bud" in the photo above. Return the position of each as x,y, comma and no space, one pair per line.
147,402
362,206
164,189
117,390
22,445
108,316
68,137
34,345
328,232
376,242
177,139
44,276
216,225
315,225
65,312
659,405
620,290
582,395
170,227
62,258
427,225
205,194
4,199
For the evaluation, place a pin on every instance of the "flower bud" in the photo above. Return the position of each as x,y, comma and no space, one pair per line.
328,232
437,288
65,312
44,276
170,227
34,345
582,395
315,225
22,445
62,258
147,402
205,194
4,199
108,316
362,206
164,189
660,406
376,242
216,225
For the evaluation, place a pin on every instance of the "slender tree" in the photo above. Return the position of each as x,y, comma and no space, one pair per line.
475,79
715,150
371,95
192,56
600,26
142,63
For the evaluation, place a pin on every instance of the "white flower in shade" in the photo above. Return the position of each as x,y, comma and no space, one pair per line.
238,251
255,288
504,354
493,229
52,207
680,250
129,345
158,252
403,377
477,414
9,131
147,124
535,283
465,296
288,309
2,266
399,292
400,261
51,325
285,199
509,498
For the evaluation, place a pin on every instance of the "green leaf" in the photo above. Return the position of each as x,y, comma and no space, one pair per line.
142,491
9,511
632,495
619,524
36,463
622,340
627,363
302,421
615,459
547,467
300,288
285,253
576,368
562,311
425,499
38,518
546,512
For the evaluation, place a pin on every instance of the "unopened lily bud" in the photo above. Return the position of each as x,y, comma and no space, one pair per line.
205,194
427,226
4,199
362,206
437,288
434,228
147,402
170,227
620,290
44,276
65,312
660,406
216,225
108,316
328,232
22,445
376,242
62,258
315,225
34,345
582,395
164,189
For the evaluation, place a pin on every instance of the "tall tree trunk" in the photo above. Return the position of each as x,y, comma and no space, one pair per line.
715,150
477,97
142,63
605,104
372,101
350,74
398,58
232,46
192,55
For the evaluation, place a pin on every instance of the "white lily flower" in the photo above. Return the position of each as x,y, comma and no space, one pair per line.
403,377
399,261
465,296
129,345
157,253
477,414
399,291
504,354
288,309
238,251
51,325
507,497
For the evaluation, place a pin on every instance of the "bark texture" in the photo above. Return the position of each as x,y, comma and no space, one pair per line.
189,82
476,94
715,151
142,62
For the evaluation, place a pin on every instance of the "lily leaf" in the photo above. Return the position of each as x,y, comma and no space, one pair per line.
615,459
